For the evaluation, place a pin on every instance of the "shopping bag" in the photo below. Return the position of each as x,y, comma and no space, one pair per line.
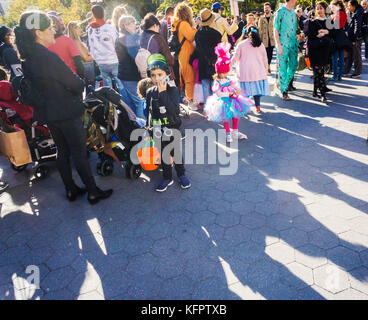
14,146
302,64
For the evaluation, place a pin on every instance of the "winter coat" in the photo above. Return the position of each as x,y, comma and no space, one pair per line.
206,39
265,29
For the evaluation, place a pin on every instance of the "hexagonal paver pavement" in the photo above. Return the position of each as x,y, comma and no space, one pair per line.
290,224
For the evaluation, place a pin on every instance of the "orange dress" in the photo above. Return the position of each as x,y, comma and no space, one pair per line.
187,74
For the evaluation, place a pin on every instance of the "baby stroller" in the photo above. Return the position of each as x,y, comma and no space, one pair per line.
41,145
113,117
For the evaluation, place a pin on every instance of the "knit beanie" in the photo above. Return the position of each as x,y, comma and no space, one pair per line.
157,61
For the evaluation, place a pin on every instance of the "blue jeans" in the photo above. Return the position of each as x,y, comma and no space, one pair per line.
130,97
109,72
207,88
338,63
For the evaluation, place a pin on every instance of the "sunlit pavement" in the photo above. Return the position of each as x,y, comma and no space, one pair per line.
292,222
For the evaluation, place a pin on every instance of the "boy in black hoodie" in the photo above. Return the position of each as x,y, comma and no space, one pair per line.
163,110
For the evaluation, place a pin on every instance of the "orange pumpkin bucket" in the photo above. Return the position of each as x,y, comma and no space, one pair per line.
149,156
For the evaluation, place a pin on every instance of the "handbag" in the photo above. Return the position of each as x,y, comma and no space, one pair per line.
302,64
317,43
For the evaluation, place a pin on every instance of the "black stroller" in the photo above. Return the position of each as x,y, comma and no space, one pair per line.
40,142
113,117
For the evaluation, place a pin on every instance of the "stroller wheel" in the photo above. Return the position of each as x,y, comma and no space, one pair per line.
105,168
133,171
18,168
41,172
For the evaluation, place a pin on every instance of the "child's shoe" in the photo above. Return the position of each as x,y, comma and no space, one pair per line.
192,106
184,182
238,135
163,185
229,138
258,109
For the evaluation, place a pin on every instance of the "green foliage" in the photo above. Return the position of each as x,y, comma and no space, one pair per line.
167,3
77,9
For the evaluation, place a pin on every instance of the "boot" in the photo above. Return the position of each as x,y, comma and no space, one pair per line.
98,194
74,192
291,87
315,94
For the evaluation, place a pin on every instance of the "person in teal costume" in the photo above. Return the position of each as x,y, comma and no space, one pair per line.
285,27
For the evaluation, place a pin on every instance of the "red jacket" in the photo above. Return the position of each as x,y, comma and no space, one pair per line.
8,99
342,17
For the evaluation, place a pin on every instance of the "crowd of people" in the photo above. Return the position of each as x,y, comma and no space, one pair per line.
209,62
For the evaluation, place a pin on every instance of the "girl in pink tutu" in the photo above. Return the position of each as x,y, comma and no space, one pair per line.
228,101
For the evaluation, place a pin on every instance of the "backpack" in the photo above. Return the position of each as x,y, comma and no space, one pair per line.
27,94
141,59
174,44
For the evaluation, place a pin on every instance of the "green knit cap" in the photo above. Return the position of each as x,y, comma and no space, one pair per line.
157,61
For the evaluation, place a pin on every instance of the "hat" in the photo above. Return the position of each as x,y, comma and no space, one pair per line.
217,5
4,30
206,17
54,13
157,61
222,51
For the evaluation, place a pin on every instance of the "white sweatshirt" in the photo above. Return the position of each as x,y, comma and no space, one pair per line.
101,43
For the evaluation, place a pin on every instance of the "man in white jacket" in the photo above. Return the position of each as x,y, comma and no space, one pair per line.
101,42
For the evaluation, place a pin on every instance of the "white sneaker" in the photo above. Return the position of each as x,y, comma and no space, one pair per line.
238,135
229,138
192,106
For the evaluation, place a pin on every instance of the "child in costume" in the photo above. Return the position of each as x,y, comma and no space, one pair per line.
163,109
251,57
228,101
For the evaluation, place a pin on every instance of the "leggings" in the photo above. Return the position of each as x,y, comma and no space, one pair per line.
70,139
235,125
319,80
257,101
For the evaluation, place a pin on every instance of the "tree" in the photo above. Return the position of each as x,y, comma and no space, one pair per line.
76,9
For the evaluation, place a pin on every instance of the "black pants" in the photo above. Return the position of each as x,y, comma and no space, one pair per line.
70,140
269,51
319,80
166,165
355,57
